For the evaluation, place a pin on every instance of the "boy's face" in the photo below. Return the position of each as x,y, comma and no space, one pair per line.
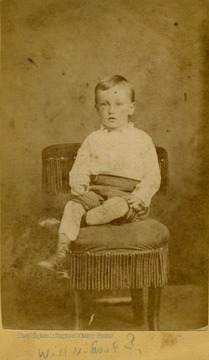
114,106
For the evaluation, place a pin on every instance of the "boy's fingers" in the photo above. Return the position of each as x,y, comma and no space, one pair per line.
129,201
134,205
140,212
126,197
140,209
80,190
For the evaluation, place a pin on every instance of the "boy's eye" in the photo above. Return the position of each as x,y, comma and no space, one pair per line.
119,103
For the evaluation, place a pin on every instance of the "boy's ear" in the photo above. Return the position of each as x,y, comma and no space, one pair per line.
132,108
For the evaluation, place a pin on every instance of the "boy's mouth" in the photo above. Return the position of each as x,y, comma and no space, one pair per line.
111,118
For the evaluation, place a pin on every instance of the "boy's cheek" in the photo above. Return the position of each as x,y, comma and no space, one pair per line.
101,113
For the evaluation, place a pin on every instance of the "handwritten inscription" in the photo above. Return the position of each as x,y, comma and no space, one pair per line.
93,348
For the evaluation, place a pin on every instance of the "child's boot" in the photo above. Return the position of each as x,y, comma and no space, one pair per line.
58,259
48,222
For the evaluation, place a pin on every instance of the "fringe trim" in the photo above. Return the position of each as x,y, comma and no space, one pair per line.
111,270
55,175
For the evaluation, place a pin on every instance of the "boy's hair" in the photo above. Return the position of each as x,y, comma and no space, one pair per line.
111,81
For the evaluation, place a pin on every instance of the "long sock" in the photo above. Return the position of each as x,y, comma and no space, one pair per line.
63,241
112,209
71,220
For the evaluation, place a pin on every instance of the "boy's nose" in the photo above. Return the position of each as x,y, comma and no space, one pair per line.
111,109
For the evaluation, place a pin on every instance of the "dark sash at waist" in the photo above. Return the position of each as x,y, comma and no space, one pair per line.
119,182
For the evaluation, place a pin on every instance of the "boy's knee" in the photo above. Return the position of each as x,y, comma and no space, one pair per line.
110,210
68,206
73,205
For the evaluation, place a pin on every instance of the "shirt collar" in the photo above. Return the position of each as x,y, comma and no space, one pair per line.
121,129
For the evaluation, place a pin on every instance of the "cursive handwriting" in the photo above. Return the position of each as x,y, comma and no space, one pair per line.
93,348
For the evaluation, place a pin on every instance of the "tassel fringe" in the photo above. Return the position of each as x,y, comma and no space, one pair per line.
111,270
55,175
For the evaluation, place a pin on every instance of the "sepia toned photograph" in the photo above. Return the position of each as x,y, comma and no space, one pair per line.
104,165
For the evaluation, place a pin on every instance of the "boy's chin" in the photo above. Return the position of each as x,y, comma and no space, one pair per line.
113,125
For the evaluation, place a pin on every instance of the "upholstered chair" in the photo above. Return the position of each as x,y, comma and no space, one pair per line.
112,257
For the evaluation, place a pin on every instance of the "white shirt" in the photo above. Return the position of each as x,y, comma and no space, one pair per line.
127,152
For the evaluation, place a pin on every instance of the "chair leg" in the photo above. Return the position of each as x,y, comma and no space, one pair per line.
154,297
78,310
82,309
137,306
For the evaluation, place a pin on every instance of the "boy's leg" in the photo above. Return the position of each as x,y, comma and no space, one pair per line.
71,220
112,209
68,232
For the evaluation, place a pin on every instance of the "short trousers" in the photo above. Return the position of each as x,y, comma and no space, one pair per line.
104,187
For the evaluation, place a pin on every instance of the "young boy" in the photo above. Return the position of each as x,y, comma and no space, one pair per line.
115,173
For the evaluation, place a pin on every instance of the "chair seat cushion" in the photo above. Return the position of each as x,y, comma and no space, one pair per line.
147,234
128,256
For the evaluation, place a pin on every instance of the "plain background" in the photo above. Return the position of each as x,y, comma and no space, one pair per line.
54,54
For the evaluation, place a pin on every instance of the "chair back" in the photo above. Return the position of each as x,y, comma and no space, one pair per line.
57,161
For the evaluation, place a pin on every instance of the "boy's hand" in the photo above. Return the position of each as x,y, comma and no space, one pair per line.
80,189
134,202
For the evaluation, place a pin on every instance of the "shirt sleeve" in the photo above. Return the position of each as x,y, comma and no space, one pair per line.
81,170
150,182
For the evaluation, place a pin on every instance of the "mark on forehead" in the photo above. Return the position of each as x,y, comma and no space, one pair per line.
115,92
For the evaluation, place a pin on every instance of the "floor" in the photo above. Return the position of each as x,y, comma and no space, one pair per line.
183,307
